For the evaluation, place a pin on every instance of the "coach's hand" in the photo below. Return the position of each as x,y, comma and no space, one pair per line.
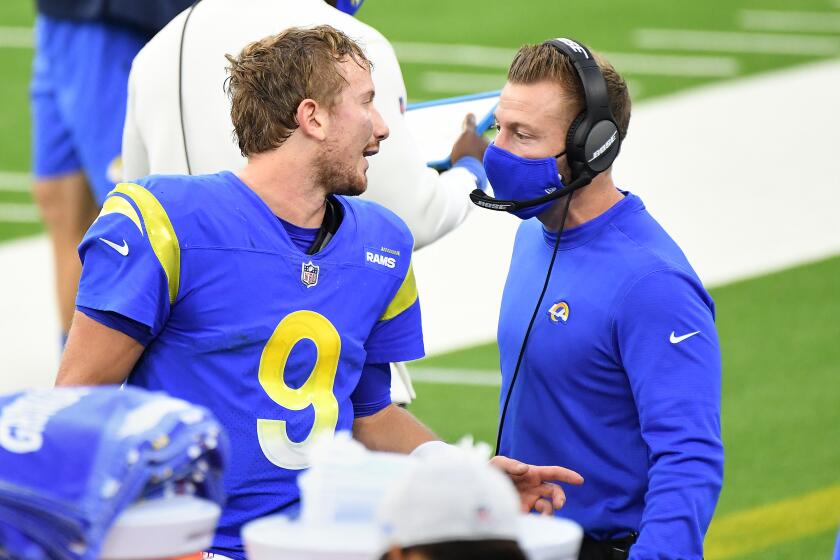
536,484
470,143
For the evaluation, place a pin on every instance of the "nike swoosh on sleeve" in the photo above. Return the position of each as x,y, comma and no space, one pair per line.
677,339
121,249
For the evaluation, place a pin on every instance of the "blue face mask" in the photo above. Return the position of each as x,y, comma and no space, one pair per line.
518,178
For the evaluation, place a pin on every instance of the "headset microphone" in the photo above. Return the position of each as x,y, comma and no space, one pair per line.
479,198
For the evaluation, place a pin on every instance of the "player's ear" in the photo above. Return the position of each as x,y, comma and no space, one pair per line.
312,119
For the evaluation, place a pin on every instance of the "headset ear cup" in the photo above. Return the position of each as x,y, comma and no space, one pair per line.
575,156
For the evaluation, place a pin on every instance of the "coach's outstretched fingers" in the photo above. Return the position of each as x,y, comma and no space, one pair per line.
534,482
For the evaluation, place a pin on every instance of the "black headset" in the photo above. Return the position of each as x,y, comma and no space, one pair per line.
593,139
592,144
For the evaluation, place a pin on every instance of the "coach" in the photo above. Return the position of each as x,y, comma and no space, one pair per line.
616,372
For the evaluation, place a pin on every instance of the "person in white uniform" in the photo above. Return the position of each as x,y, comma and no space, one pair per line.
431,204
178,115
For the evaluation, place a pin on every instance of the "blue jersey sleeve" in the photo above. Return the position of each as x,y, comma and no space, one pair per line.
137,331
666,337
131,259
398,335
373,393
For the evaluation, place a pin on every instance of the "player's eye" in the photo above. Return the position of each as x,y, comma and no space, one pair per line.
497,126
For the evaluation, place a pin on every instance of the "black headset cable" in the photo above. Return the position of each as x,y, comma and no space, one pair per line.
181,85
531,324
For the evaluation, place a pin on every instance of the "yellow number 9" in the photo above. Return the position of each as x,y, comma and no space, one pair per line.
317,391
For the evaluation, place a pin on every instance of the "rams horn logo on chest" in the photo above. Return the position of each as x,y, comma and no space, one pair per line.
559,312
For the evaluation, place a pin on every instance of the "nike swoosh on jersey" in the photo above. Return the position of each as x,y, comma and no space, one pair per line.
121,249
677,339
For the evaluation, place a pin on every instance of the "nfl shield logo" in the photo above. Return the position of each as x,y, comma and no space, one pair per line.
309,274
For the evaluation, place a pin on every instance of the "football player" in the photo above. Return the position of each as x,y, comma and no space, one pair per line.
273,297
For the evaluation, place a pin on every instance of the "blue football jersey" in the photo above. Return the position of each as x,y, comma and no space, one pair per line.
272,340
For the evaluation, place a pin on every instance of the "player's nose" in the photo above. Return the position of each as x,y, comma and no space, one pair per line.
380,129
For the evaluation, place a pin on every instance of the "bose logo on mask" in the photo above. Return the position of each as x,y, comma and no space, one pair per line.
603,148
574,46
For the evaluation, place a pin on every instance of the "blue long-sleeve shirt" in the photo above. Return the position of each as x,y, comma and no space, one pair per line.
620,380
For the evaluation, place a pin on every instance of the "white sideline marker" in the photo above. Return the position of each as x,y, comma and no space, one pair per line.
446,376
13,212
777,20
626,63
17,37
737,42
13,181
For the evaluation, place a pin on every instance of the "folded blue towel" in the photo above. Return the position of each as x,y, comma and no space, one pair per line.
71,459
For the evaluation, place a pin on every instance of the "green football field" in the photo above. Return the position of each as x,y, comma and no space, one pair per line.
780,333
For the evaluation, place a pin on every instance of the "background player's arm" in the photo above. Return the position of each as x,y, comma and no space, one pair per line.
431,204
96,354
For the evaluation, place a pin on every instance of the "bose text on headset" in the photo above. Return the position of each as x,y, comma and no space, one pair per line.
592,144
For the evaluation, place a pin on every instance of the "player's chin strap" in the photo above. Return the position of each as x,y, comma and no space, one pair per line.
332,219
480,199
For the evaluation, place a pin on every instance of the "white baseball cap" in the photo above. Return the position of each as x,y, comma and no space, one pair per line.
459,499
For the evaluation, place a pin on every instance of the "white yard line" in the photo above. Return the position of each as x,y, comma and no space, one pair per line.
13,212
674,65
16,37
460,82
737,42
778,20
626,63
14,181
498,57
464,55
29,331
447,376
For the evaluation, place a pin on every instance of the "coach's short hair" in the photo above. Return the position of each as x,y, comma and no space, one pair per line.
536,63
270,78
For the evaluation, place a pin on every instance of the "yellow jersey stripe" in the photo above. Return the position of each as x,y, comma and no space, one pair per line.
160,232
119,205
404,298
